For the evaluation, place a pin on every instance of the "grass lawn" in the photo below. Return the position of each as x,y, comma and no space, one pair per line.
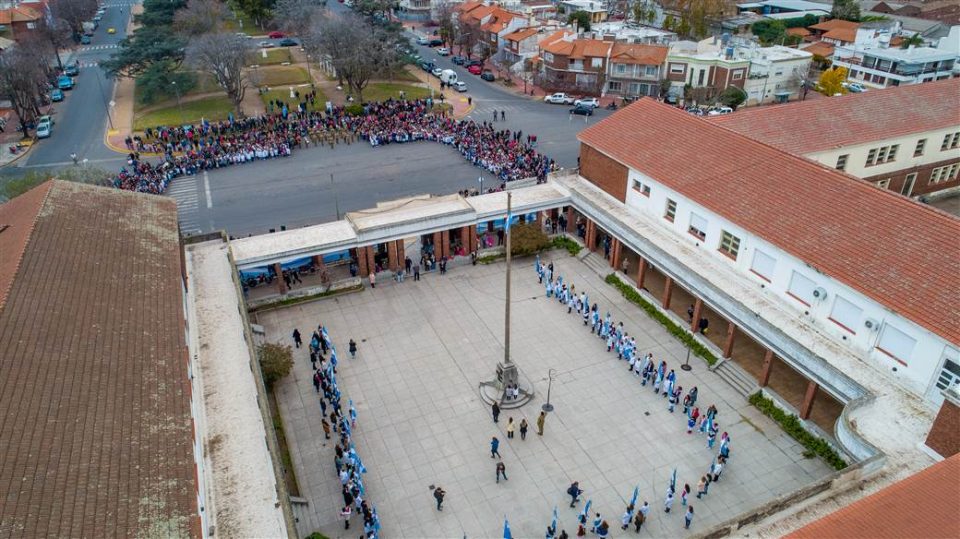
232,24
211,108
280,75
274,57
403,75
283,95
381,91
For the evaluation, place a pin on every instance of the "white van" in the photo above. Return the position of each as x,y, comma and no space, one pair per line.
448,76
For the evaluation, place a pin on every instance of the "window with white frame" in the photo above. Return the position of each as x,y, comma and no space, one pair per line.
950,141
884,184
842,161
763,265
671,213
676,68
698,226
651,71
738,74
620,69
596,62
729,244
896,344
908,183
801,288
921,144
548,56
614,86
883,154
944,174
846,315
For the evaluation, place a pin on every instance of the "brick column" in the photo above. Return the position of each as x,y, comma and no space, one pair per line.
767,367
571,224
641,272
445,243
591,238
281,284
944,437
728,344
437,245
401,252
697,309
667,292
371,263
808,399
362,263
318,262
468,235
392,261
616,254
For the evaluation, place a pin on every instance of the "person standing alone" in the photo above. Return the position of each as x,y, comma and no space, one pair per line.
297,340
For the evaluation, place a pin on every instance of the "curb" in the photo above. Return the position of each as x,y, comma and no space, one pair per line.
17,158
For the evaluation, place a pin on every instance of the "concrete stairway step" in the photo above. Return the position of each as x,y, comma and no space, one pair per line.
734,375
597,263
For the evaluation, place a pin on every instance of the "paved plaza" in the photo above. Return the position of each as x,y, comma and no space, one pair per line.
424,347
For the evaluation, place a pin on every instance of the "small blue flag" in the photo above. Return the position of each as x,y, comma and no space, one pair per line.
506,529
636,492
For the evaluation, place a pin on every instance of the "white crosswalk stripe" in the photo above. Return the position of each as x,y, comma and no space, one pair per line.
97,48
89,64
485,111
185,191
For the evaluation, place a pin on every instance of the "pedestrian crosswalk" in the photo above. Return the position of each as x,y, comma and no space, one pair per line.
88,64
186,191
484,111
89,48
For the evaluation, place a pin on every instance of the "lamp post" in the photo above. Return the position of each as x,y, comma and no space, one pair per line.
549,407
106,107
176,90
686,366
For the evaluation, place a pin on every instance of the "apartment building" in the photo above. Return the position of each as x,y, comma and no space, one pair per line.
906,139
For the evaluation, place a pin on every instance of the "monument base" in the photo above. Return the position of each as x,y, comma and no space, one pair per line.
495,390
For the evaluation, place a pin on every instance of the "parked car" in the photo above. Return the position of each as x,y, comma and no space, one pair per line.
244,35
460,86
85,39
475,69
855,87
488,76
720,111
585,110
443,51
427,66
56,95
435,42
422,40
72,69
275,35
98,17
558,98
266,44
287,42
436,72
458,60
588,101
64,82
43,131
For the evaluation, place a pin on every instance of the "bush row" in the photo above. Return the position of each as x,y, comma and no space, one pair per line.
792,426
563,242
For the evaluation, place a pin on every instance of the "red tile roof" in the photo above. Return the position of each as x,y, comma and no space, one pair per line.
580,48
833,24
96,436
844,35
922,505
520,34
821,48
802,32
886,246
851,119
18,14
625,53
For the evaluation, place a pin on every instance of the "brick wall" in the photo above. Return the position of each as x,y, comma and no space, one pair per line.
676,77
603,171
944,437
922,184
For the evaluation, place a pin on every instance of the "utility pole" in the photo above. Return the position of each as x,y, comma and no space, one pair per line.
506,320
106,106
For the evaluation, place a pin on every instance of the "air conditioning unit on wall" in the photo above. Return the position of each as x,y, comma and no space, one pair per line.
819,294
871,324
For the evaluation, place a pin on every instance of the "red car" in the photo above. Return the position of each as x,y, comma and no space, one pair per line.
475,69
275,35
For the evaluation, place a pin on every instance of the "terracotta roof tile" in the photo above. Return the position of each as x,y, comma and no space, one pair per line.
845,35
821,48
521,34
825,124
833,24
96,436
922,505
886,246
802,32
626,53
17,218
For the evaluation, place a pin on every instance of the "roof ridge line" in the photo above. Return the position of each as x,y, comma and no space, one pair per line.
33,225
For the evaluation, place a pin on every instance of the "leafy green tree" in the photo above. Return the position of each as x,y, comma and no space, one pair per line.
157,82
276,361
848,10
258,10
913,41
773,32
732,97
147,46
581,19
644,11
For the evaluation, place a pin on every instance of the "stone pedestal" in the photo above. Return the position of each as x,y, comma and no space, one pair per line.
495,390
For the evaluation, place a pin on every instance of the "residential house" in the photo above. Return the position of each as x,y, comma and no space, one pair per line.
496,24
834,31
775,73
705,68
635,70
630,32
520,45
596,10
20,20
415,10
904,139
574,65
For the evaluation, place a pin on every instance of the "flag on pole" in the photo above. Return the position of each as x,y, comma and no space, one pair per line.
333,356
636,492
506,227
673,480
586,511
553,525
506,529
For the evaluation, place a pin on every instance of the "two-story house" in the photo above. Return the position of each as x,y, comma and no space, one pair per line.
496,24
635,70
520,45
574,65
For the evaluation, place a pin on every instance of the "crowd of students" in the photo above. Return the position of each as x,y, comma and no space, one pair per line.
190,149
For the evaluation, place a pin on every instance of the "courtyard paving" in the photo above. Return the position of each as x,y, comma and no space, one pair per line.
423,349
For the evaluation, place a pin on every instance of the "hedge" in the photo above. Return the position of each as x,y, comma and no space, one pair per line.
563,242
792,426
680,333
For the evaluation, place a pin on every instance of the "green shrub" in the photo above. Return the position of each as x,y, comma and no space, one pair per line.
276,360
680,333
563,242
355,109
792,426
489,259
527,238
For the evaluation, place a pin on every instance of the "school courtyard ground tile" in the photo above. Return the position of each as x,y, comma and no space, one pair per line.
423,349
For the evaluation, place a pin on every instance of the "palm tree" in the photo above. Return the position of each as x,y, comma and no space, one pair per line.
914,40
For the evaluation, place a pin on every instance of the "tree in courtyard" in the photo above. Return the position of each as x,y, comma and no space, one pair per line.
21,80
527,238
581,19
222,55
200,17
913,41
276,361
831,81
258,10
297,16
773,32
372,8
848,10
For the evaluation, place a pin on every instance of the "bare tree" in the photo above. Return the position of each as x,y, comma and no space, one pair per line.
55,33
297,16
444,11
74,13
199,17
21,81
222,55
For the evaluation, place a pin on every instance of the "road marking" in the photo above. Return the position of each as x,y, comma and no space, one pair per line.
206,188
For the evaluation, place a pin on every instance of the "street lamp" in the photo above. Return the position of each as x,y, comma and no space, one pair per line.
106,107
549,407
686,366
179,106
